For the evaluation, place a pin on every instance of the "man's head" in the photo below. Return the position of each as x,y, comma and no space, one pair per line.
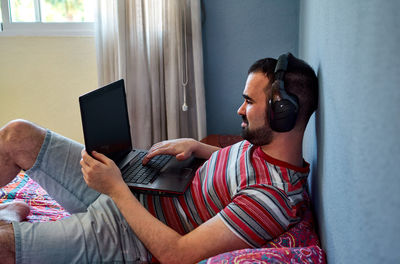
300,81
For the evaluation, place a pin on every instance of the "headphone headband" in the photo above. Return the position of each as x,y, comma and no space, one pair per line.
281,66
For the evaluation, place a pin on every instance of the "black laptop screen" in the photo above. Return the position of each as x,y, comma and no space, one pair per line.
105,121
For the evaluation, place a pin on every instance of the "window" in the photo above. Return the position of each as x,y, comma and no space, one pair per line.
47,17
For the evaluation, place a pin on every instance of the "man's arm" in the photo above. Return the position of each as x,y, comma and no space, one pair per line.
209,239
181,148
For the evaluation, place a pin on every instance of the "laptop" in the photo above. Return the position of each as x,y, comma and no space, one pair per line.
106,130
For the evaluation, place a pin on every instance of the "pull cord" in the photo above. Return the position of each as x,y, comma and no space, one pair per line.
184,74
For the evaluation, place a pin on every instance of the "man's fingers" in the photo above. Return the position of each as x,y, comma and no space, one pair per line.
84,173
145,160
158,151
182,156
87,159
156,146
179,149
100,157
149,156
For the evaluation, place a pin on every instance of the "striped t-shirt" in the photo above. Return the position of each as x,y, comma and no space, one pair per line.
257,196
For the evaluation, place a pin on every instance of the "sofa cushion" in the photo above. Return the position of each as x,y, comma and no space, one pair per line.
300,244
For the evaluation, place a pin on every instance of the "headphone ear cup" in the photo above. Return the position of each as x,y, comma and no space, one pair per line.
282,115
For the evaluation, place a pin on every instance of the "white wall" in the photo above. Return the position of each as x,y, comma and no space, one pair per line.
42,77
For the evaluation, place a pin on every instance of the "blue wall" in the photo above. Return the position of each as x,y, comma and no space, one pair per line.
236,33
354,138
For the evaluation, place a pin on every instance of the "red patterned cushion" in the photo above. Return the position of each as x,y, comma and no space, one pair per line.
300,244
312,254
301,235
43,207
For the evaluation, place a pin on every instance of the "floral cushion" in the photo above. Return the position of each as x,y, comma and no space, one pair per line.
313,254
300,244
43,207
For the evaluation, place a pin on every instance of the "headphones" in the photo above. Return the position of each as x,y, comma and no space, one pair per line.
282,107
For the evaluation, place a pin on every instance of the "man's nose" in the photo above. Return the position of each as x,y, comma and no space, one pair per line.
241,111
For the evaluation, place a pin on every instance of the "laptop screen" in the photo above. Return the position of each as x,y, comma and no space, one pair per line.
105,121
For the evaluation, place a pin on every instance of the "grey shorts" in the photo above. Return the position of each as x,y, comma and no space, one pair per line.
95,233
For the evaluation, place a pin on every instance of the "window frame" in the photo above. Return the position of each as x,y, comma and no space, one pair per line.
9,28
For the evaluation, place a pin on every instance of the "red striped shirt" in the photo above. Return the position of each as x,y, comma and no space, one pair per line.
257,196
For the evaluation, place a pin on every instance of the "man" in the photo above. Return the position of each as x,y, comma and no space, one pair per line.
242,196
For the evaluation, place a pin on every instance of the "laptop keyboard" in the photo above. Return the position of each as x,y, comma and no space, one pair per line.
137,173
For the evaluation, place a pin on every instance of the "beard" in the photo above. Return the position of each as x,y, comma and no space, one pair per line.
259,136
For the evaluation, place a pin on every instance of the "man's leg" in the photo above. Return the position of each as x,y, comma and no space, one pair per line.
99,235
50,159
20,143
7,244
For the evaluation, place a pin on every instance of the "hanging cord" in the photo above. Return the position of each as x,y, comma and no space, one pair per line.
184,74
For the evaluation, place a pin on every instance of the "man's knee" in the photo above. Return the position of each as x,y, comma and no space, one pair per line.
14,129
21,141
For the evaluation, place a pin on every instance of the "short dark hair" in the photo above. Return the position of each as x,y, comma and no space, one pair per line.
300,80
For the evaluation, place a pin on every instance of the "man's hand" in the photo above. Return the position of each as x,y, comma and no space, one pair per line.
101,173
181,148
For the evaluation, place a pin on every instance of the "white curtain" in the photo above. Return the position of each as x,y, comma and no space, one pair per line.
156,47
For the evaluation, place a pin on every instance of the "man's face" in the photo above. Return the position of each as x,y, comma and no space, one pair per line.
255,127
